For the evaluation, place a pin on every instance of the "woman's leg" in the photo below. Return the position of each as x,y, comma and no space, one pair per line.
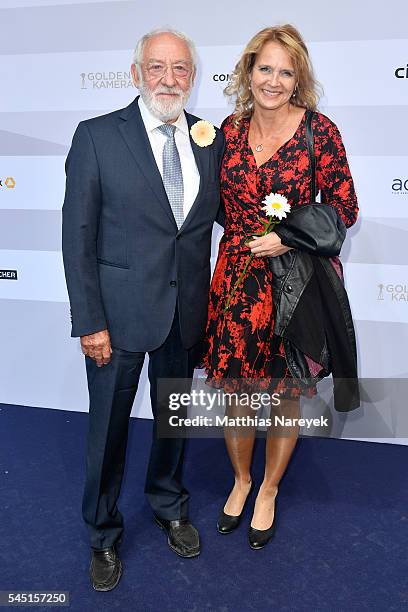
240,443
281,440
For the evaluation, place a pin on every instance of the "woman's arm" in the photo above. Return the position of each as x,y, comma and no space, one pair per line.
333,173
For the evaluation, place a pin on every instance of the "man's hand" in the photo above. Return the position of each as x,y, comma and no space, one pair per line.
98,347
268,246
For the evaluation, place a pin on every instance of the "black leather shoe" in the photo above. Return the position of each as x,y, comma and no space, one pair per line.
182,537
258,538
105,569
228,522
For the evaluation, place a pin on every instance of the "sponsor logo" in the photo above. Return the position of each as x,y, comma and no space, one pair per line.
8,274
106,80
402,72
8,182
393,293
399,186
221,78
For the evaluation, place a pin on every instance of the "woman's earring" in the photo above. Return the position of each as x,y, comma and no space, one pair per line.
294,92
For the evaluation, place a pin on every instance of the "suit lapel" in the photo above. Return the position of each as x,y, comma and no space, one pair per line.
201,155
134,133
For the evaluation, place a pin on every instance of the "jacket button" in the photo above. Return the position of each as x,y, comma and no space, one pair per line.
289,288
173,284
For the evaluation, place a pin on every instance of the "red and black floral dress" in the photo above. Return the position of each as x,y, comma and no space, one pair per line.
240,344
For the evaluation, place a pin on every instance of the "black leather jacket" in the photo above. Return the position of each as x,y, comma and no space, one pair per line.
309,291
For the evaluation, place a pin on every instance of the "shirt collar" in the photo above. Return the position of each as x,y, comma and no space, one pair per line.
151,122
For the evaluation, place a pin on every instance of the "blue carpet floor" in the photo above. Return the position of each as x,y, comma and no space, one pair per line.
341,541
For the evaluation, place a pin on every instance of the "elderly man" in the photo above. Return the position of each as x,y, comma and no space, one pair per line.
142,194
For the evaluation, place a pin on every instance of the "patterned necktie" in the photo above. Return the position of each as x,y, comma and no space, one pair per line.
172,174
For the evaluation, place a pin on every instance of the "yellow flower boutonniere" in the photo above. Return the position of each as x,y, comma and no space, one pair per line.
203,133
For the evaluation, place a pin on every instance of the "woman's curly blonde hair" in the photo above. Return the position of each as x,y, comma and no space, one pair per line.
307,89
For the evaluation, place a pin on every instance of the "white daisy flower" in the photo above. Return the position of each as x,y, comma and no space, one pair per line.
276,205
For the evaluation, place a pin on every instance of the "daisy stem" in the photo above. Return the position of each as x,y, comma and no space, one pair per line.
270,225
240,277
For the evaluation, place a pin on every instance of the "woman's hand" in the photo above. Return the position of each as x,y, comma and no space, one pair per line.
268,246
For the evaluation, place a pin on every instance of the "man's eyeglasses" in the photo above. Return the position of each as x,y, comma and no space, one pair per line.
156,70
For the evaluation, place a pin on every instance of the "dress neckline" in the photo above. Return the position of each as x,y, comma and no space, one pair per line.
246,134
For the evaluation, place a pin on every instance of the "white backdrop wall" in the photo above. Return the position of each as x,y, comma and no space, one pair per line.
62,62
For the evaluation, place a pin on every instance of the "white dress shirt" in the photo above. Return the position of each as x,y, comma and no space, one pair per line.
191,176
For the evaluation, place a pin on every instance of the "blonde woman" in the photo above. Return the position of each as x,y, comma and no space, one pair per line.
266,152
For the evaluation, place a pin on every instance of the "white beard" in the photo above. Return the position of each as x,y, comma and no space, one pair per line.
164,109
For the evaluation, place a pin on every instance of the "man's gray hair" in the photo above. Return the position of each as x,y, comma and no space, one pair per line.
138,52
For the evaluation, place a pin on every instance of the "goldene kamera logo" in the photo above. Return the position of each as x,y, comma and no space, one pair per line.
392,292
106,80
8,182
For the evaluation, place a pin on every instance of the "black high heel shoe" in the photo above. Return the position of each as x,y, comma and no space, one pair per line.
227,522
258,538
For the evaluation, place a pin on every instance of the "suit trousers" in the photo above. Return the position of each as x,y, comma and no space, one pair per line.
112,389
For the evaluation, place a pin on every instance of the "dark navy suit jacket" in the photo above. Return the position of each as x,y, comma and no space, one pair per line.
126,263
